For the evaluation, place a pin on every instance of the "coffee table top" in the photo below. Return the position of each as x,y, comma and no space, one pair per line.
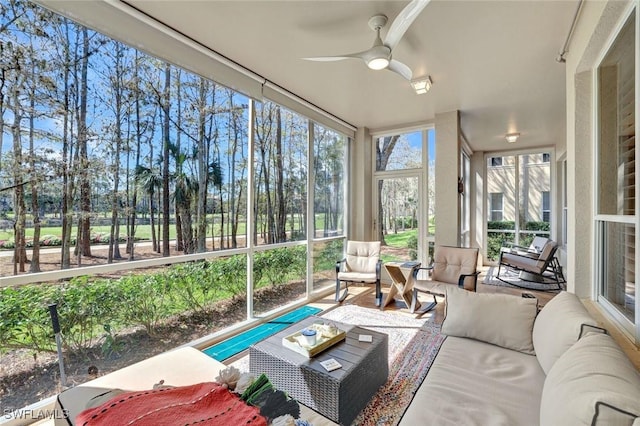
349,352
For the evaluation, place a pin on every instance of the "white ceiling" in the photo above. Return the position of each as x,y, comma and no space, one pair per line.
494,61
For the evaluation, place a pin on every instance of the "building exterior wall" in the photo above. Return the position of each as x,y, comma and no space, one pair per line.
535,179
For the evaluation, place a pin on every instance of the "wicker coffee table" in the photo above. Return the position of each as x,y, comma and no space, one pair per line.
339,395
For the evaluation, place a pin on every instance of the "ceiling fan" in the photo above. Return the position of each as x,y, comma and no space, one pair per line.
379,57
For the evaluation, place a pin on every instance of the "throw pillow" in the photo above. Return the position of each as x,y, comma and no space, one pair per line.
557,328
500,319
594,372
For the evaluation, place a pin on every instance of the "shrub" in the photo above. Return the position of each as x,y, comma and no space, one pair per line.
279,266
194,284
230,274
24,318
326,259
84,308
145,300
412,244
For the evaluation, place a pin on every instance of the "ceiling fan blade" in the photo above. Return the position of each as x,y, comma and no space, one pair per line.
403,21
358,55
400,68
327,58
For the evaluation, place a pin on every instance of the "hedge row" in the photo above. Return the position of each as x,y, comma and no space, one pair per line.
54,241
92,310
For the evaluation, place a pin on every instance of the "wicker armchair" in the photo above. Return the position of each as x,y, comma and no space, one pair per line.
362,265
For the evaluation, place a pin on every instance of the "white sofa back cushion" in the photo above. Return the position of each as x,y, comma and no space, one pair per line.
500,319
557,328
593,372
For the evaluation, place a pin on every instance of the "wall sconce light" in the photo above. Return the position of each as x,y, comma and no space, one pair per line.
421,85
512,137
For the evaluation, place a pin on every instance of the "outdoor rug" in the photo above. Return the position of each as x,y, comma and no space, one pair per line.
512,279
413,345
235,345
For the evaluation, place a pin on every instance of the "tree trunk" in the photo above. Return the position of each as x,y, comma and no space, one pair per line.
114,246
84,238
203,169
281,218
35,208
67,158
165,160
20,252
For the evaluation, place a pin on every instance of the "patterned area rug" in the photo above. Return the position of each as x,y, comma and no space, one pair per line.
512,279
413,345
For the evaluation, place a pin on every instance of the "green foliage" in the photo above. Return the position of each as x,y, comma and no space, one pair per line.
84,307
280,266
231,274
412,244
111,345
496,240
328,256
24,318
406,223
145,300
501,224
92,310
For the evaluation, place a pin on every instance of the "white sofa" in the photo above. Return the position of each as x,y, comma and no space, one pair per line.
501,364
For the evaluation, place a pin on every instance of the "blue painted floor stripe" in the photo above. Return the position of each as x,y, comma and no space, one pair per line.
242,341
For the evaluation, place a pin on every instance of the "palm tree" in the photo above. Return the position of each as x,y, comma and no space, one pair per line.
186,190
149,180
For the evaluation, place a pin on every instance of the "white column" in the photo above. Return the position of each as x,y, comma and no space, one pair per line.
447,173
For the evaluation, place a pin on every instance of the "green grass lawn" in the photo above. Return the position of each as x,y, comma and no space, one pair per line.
143,232
399,240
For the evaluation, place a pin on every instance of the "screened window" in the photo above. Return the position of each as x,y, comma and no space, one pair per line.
496,206
329,149
546,206
496,161
281,174
134,162
616,169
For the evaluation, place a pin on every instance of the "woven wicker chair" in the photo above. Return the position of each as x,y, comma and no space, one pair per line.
451,266
362,265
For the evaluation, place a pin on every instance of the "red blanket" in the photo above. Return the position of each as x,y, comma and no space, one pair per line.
204,404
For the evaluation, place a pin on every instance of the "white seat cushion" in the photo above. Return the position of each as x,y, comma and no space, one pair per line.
476,383
362,277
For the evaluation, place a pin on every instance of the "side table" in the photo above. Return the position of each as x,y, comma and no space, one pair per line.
401,274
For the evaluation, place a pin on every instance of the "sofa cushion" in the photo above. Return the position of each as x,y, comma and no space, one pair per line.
484,317
475,383
557,328
594,372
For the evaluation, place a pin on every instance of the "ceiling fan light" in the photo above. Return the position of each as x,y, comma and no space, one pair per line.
421,85
378,63
512,137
